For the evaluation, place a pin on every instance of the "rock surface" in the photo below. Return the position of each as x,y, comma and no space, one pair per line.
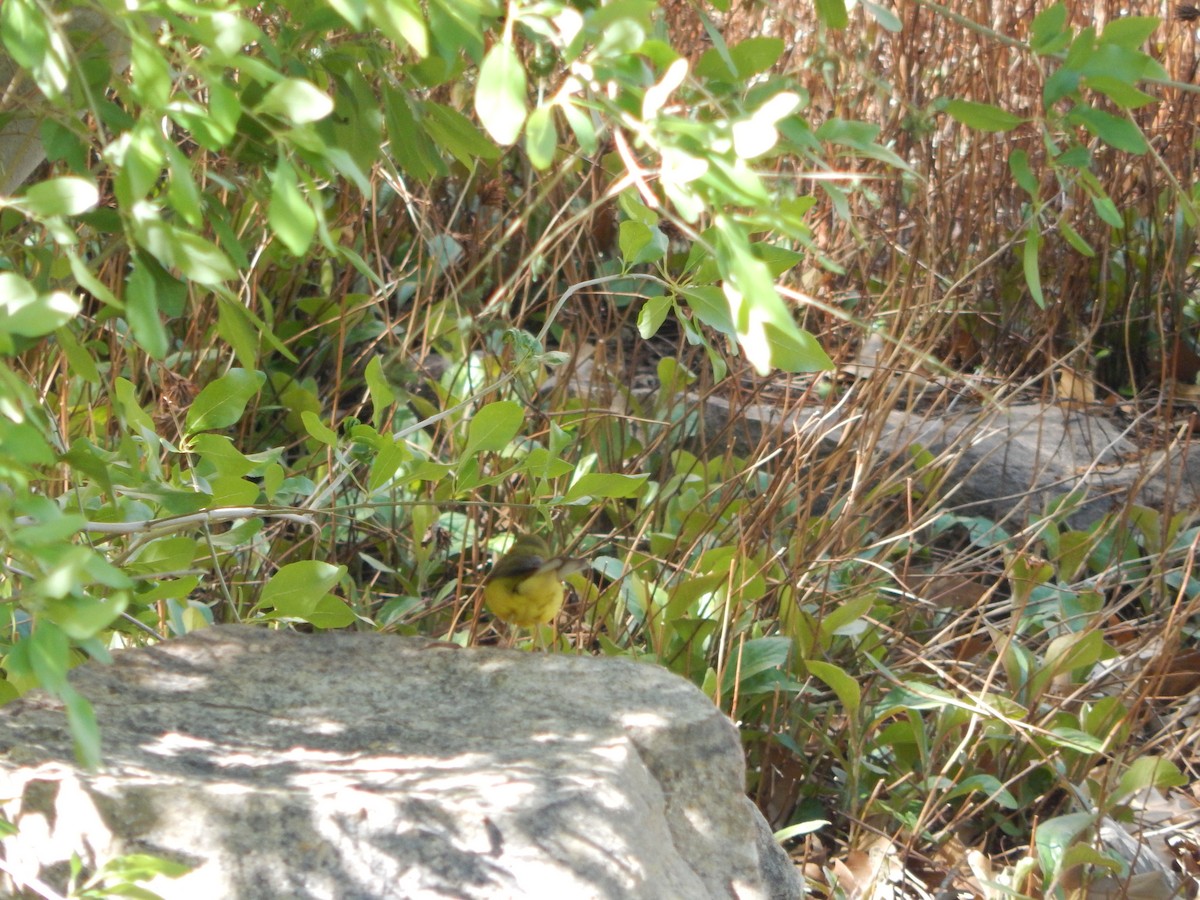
370,766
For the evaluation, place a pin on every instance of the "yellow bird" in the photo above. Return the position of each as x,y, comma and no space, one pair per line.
525,586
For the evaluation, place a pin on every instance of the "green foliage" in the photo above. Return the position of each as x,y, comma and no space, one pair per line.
297,317
184,188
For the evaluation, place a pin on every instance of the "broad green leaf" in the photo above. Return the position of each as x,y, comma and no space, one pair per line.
846,688
141,309
25,312
1148,772
1075,739
68,196
757,135
85,616
454,133
199,259
296,589
1119,92
493,427
1047,34
1054,836
290,217
49,652
1129,32
581,124
711,308
604,485
982,116
1018,164
756,55
842,619
31,36
388,460
652,314
151,77
887,19
832,13
85,733
296,100
500,95
1107,210
765,327
381,393
408,141
317,429
401,20
1062,83
81,361
221,403
1074,238
541,140
755,657
1119,133
330,612
985,784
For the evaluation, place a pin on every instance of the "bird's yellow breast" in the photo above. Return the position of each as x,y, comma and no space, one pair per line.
525,600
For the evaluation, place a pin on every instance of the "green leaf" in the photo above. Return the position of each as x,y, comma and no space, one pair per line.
541,140
1107,210
222,403
1018,164
330,612
1074,238
292,219
387,462
454,132
296,589
765,328
296,100
887,19
401,21
49,657
606,485
1122,94
1119,133
580,121
493,427
755,657
68,196
408,141
1129,32
652,314
500,94
141,308
32,38
756,55
846,688
25,312
85,733
1147,772
1054,836
1029,259
832,13
81,362
982,116
352,11
317,429
1047,34
198,259
382,395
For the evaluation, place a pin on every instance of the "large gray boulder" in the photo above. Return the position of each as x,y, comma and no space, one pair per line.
370,766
